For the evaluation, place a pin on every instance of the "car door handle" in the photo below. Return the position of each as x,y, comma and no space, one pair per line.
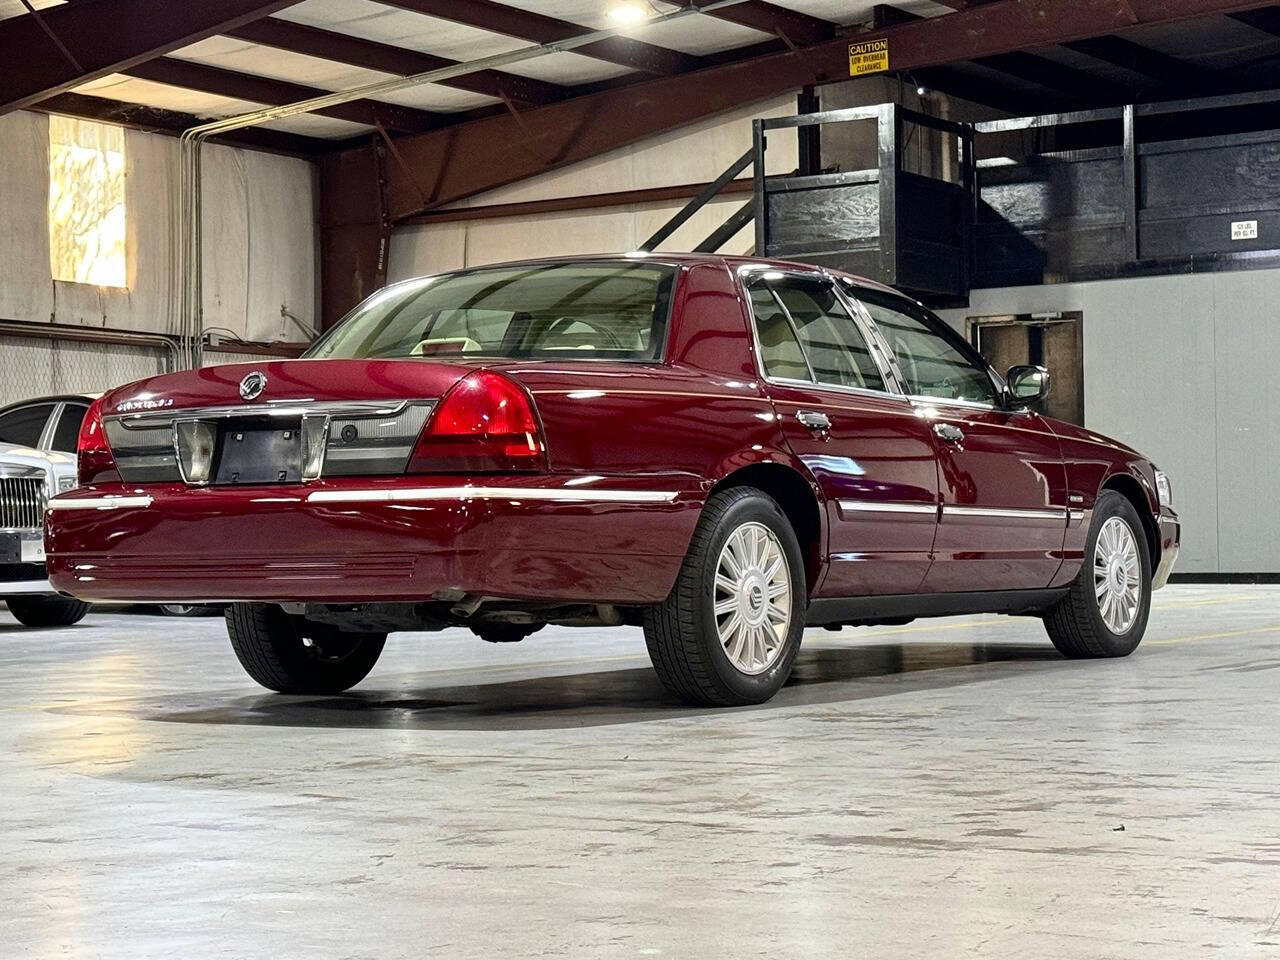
949,432
814,420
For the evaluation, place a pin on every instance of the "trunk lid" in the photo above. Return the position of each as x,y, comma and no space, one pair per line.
290,380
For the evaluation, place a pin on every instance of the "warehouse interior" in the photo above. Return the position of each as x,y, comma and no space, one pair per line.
1090,186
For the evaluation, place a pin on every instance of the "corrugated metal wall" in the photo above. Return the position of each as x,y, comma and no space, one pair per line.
1183,369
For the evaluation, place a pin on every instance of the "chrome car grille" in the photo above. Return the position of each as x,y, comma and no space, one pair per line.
22,501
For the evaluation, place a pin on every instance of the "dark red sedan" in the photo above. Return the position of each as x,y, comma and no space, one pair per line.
722,450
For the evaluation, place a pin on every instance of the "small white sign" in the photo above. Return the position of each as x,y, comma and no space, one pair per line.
1244,230
32,551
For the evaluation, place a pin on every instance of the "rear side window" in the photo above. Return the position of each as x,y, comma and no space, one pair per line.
803,328
24,425
67,432
934,360
605,310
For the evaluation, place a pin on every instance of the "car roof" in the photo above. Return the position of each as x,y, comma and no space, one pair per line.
52,398
683,259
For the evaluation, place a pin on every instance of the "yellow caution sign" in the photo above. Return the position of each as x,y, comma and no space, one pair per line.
868,56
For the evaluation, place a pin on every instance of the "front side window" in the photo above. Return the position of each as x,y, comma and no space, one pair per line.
86,202
605,310
24,425
805,333
933,359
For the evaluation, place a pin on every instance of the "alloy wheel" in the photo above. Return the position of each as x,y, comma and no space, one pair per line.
752,598
1117,575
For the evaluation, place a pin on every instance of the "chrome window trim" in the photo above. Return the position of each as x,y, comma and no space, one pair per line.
893,387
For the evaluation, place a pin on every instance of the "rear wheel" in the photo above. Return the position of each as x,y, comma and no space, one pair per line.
729,632
188,610
42,611
289,655
1105,612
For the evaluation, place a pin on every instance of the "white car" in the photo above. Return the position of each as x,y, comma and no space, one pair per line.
37,461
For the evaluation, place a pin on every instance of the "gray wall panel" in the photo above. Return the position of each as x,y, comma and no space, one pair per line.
1182,368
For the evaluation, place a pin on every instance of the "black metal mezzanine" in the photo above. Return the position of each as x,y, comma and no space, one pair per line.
1183,186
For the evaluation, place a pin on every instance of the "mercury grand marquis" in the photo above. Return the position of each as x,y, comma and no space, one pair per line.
721,450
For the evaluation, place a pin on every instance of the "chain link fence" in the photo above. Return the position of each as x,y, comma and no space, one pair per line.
40,365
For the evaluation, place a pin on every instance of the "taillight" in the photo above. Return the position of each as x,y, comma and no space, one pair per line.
94,461
485,423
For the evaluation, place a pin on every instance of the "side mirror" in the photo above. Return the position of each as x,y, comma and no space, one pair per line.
1027,385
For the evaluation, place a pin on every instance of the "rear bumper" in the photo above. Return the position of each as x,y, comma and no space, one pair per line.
1170,543
552,538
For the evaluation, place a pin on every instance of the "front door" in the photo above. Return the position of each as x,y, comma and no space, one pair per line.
862,441
1001,476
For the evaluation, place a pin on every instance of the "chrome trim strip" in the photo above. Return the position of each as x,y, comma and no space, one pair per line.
490,493
271,408
1008,513
98,503
24,587
872,506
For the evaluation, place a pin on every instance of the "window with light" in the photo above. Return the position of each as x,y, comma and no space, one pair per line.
86,202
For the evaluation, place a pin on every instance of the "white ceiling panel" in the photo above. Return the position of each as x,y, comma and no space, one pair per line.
433,96
700,35
14,8
567,68
244,57
859,11
115,86
310,125
147,93
400,28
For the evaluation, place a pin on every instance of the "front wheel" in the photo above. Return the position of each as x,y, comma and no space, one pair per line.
1105,613
42,611
289,655
729,632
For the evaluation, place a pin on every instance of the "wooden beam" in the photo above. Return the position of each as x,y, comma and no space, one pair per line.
258,89
358,52
173,123
98,37
538,28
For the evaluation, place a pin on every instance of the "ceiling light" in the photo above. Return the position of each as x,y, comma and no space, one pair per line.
627,13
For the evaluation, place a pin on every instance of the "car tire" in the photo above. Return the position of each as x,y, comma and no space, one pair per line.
1096,618
41,611
286,654
505,632
696,653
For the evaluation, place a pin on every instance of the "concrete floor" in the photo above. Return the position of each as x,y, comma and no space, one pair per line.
941,789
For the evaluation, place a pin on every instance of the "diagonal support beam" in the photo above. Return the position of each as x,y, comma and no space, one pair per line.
106,36
538,28
358,52
258,89
1063,80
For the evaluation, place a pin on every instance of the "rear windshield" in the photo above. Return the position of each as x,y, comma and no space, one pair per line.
607,310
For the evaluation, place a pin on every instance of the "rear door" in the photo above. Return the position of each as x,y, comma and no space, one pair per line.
859,437
1003,483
